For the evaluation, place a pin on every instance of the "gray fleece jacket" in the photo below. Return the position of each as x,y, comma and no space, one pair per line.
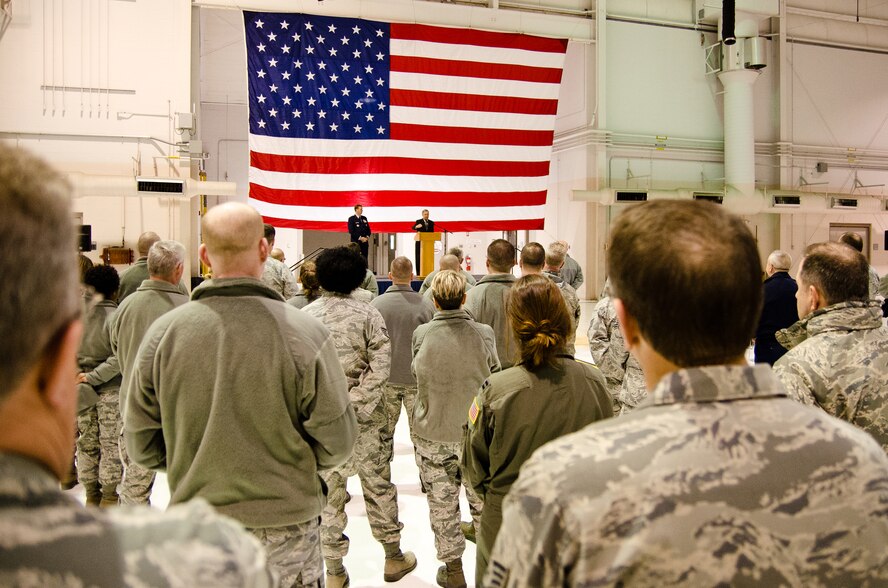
241,399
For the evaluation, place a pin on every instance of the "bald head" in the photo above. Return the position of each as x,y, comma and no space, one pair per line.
146,240
449,262
234,242
401,270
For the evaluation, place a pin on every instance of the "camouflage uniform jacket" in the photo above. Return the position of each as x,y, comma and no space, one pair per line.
718,479
241,398
95,356
370,284
573,308
838,360
50,539
277,276
873,283
153,299
452,356
623,373
362,344
572,272
486,302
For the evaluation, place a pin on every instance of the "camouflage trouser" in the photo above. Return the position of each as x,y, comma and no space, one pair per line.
98,460
393,396
371,464
135,487
440,471
294,552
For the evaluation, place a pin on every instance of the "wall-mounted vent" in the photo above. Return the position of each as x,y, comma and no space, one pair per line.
848,203
162,185
714,197
626,196
786,201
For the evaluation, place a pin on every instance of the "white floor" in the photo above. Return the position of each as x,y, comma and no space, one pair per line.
365,559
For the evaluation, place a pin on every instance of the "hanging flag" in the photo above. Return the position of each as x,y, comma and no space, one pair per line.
398,118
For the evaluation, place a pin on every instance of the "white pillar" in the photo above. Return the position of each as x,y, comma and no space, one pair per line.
739,131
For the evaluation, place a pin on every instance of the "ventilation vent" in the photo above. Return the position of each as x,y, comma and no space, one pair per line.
847,203
785,201
624,196
714,197
163,185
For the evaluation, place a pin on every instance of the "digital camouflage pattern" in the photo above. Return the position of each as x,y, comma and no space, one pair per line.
442,477
838,360
277,276
364,351
622,372
294,552
873,283
393,397
49,539
573,308
717,480
137,482
98,453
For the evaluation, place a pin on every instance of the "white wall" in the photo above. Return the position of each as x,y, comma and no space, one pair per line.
137,50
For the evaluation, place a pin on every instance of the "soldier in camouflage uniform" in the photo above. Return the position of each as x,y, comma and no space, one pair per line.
838,351
625,379
553,262
717,479
403,310
47,538
98,455
451,338
155,296
276,275
365,355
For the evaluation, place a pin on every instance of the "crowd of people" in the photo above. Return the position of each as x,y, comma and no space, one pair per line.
672,459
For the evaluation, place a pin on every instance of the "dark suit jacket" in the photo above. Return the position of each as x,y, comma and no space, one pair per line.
778,312
358,227
429,228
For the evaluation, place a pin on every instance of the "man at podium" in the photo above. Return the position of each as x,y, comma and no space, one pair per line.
423,225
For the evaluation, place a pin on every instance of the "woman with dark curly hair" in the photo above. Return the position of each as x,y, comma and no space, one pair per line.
546,395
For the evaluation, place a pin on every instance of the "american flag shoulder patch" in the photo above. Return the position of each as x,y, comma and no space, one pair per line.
474,411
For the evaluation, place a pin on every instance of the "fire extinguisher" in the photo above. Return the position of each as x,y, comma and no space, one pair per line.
468,263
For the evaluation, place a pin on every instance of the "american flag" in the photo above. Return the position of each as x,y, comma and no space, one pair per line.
398,117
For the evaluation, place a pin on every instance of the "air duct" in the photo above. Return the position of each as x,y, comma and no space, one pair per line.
118,186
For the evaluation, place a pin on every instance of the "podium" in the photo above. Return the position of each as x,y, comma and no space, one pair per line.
427,252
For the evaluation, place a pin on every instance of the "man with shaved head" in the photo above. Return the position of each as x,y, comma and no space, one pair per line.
447,262
241,399
403,310
533,260
457,252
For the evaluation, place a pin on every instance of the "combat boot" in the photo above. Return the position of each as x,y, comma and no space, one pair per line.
337,580
109,500
450,575
398,566
93,494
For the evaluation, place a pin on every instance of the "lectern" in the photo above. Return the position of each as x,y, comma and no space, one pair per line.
427,252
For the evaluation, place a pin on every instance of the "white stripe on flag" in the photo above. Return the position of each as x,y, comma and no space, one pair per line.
521,57
473,86
423,183
471,119
396,213
390,148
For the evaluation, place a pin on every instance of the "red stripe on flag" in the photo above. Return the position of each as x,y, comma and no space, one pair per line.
441,134
397,165
474,69
473,102
382,198
399,227
454,36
